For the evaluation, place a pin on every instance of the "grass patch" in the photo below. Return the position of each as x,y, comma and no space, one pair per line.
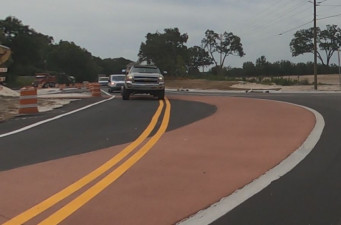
20,81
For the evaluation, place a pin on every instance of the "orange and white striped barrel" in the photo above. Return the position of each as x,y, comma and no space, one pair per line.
28,100
62,86
79,85
96,90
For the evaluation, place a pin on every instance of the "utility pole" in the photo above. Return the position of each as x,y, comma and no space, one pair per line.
315,48
221,43
338,57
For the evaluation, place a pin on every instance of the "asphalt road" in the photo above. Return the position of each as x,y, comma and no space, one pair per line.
310,194
111,123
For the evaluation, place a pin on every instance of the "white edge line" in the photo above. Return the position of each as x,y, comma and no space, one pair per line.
51,119
226,204
105,92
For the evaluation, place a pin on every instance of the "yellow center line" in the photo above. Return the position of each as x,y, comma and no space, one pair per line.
54,199
86,196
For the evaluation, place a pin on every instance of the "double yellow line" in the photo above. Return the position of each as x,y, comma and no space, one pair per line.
87,195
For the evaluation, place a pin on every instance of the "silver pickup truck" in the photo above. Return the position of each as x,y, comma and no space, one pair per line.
145,79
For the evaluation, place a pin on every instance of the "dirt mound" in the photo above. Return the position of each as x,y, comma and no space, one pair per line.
9,103
4,91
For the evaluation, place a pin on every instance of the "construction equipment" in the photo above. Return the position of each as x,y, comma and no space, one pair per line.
44,80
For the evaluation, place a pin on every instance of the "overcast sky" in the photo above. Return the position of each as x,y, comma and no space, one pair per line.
116,28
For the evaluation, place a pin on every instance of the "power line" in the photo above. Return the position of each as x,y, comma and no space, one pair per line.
332,5
309,23
329,17
296,27
280,16
272,12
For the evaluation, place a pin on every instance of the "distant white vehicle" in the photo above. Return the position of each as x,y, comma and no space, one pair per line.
116,81
103,81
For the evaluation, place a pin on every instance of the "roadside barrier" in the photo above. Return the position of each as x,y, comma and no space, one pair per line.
96,90
78,85
86,85
62,86
28,100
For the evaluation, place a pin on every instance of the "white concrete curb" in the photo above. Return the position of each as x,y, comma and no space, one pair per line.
212,91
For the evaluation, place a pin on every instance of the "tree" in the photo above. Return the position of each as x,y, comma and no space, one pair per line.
328,40
167,50
29,47
249,68
112,66
2,37
225,44
198,57
69,58
262,66
35,52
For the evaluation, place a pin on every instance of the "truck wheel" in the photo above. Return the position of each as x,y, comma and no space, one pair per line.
125,94
161,95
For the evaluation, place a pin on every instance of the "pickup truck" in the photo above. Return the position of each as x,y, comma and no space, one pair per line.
145,79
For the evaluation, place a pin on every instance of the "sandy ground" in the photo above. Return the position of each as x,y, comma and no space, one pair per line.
325,83
9,101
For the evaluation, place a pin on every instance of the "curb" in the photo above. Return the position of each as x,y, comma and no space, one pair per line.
243,91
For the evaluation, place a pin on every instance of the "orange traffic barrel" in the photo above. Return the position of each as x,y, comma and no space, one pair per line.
96,90
62,86
28,102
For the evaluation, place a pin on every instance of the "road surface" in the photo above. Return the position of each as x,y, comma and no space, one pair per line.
213,145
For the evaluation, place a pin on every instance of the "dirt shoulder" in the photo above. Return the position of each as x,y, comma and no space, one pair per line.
47,100
325,83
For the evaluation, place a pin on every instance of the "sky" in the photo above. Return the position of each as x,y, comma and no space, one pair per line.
116,28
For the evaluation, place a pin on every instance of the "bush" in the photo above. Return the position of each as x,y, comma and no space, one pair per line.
284,82
19,81
304,82
23,81
267,82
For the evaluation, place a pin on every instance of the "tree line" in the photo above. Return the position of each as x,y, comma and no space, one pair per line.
35,52
263,68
